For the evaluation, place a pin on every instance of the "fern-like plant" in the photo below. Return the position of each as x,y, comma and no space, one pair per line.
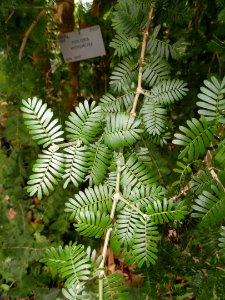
125,201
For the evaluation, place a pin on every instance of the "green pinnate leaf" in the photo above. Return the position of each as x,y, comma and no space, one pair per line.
165,211
121,130
98,198
195,138
38,119
99,160
92,224
114,287
85,123
71,262
144,246
209,206
48,170
76,164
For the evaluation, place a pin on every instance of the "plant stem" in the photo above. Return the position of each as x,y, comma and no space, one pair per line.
55,147
28,32
117,196
139,89
108,232
77,143
100,288
120,163
120,197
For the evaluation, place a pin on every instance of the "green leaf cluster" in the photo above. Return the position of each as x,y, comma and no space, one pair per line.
106,150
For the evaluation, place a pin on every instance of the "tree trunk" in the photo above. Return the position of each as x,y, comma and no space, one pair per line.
65,10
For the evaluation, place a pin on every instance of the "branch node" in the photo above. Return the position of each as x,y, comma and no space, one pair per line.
53,148
110,229
101,274
133,113
120,161
116,197
139,90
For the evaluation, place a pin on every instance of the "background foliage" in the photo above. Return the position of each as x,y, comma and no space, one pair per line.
191,38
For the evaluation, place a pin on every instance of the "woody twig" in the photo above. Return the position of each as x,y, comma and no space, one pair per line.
139,89
28,32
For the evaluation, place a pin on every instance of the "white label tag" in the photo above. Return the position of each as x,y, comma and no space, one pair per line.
82,44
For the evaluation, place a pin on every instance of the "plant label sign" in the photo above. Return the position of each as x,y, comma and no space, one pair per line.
82,44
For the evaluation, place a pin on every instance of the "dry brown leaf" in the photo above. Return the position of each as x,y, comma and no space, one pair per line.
12,213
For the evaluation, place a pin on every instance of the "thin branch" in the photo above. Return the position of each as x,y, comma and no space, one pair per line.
9,17
188,186
76,143
108,233
215,176
102,273
139,89
28,32
24,248
115,201
208,163
133,207
117,196
147,93
54,147
182,192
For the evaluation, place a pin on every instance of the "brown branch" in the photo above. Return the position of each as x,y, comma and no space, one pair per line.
28,32
65,19
139,89
109,230
113,209
182,192
215,176
208,164
188,186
